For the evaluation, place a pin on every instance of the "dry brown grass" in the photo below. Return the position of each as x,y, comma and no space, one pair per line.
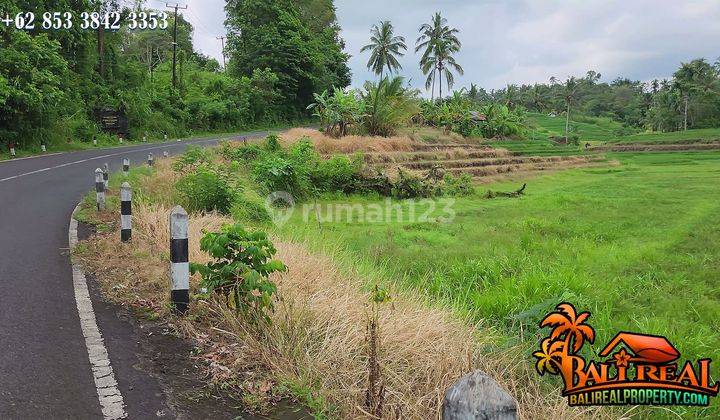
348,144
317,337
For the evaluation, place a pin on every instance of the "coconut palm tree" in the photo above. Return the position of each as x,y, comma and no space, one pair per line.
569,94
386,47
439,42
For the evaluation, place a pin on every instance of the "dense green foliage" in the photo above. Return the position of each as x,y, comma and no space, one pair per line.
658,105
242,262
300,171
52,81
378,110
306,55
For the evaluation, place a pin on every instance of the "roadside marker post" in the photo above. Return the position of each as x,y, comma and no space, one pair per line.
165,154
94,140
99,189
165,138
12,151
179,260
151,159
43,148
125,212
144,139
126,166
106,175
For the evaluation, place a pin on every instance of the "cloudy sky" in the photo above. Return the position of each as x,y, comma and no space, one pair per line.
523,41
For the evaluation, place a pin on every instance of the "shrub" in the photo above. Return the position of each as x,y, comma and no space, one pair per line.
409,186
242,153
277,173
337,174
206,190
193,157
458,186
272,143
240,269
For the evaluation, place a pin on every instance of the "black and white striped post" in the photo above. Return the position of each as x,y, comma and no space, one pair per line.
43,148
12,151
99,189
94,140
106,175
126,166
145,138
165,138
165,154
179,260
125,212
151,159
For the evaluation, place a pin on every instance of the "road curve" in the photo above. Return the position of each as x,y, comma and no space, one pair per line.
44,366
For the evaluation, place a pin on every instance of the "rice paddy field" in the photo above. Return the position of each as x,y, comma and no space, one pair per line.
637,245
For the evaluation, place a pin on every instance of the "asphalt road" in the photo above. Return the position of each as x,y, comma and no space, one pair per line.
44,366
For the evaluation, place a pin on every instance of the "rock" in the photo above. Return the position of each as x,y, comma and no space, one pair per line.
478,396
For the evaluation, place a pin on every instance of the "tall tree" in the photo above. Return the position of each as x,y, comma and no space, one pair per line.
569,94
272,34
439,42
385,49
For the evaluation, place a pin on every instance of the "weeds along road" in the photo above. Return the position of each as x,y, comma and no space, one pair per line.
44,367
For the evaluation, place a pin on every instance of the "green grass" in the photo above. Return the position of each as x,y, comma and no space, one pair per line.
637,245
689,136
589,129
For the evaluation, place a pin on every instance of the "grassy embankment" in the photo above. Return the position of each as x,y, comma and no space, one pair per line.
316,349
637,245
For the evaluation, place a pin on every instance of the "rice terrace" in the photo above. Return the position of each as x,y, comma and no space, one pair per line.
252,209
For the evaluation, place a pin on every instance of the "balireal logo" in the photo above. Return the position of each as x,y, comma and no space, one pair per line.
641,371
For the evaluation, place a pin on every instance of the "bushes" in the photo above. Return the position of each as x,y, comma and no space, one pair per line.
464,117
206,189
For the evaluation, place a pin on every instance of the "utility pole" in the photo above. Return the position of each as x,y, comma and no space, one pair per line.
222,40
176,7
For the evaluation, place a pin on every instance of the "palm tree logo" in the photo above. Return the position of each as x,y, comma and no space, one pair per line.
558,352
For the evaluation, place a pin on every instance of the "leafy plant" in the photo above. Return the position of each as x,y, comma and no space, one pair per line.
337,112
240,269
206,189
193,157
388,105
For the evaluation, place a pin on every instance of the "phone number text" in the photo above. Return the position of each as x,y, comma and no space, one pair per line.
28,21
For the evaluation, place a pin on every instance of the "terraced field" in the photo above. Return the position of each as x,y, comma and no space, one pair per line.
483,163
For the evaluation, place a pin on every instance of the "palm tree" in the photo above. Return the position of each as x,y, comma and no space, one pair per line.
510,95
569,95
385,47
538,97
439,42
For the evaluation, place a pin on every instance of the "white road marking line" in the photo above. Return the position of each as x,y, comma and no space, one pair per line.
96,158
111,400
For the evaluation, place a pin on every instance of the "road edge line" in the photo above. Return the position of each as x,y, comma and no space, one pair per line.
109,396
